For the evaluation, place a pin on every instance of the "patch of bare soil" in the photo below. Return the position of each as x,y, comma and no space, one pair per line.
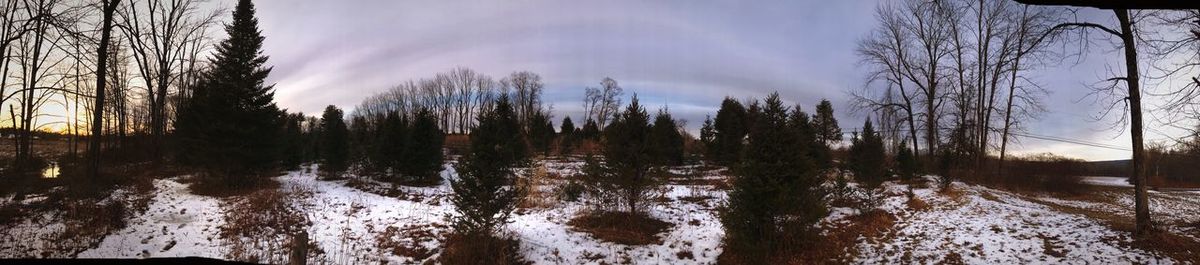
620,227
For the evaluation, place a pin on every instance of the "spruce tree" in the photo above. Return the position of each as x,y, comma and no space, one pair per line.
826,124
775,191
335,142
729,129
484,192
665,140
628,157
566,136
230,126
424,150
867,160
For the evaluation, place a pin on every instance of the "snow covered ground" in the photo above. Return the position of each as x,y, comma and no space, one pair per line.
177,224
988,226
361,221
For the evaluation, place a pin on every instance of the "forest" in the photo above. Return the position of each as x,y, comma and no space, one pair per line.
152,129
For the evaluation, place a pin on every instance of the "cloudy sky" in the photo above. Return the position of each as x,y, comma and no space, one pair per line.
686,55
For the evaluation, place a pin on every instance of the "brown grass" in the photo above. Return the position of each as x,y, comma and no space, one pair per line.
837,246
480,249
620,227
406,241
917,204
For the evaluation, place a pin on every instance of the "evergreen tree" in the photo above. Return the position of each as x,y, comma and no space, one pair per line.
706,134
666,141
484,193
389,146
230,126
730,131
541,132
424,150
335,142
628,157
826,124
817,151
906,162
293,152
566,136
775,191
590,130
867,157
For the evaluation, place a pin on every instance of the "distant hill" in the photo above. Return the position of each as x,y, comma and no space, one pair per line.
1116,168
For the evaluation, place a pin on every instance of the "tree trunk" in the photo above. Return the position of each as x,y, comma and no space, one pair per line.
93,167
1142,208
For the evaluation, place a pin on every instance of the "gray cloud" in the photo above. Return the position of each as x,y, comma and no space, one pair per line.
686,55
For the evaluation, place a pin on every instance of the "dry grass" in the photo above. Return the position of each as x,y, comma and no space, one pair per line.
533,196
620,227
480,249
259,227
407,241
917,204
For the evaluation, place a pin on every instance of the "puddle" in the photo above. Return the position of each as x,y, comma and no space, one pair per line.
51,171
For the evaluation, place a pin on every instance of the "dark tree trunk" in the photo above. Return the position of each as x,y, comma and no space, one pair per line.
93,164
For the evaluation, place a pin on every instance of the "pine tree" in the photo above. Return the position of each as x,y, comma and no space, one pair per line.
775,191
730,130
541,132
389,146
230,126
826,125
484,193
707,132
590,130
628,157
335,142
566,136
906,163
424,150
867,160
817,151
293,152
666,141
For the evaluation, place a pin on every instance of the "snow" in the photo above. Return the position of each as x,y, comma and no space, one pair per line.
545,238
359,221
177,224
987,226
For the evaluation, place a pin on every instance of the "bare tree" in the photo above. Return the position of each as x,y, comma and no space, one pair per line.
158,32
525,89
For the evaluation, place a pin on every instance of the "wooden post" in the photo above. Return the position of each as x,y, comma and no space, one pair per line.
299,254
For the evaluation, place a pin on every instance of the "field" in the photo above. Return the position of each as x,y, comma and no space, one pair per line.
360,220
